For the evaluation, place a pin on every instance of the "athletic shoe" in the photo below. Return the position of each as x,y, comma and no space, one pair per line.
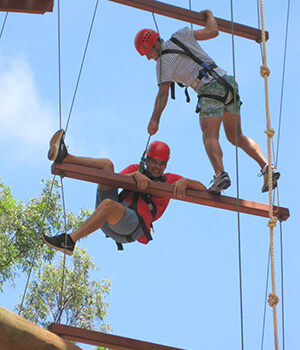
58,243
220,182
58,150
275,177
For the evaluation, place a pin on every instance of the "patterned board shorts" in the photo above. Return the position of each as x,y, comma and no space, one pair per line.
128,225
214,108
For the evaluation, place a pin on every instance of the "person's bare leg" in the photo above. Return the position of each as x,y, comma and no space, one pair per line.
245,143
210,128
108,211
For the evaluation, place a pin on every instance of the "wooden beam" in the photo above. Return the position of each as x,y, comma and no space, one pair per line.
166,190
16,333
29,6
193,17
104,339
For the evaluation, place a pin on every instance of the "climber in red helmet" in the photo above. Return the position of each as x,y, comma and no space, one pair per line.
181,59
130,217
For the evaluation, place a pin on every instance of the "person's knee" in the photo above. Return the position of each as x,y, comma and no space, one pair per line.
107,205
235,139
108,165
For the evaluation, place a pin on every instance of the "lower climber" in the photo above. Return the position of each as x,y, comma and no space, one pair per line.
124,219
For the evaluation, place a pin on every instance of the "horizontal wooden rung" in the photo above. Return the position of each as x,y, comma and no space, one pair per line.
103,339
31,6
98,176
194,17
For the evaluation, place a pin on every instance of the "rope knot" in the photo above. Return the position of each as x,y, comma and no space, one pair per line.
264,71
270,132
273,299
272,222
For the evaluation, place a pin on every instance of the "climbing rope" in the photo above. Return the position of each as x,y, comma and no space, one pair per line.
237,182
60,124
35,249
143,158
282,289
59,64
61,299
265,72
190,5
3,25
67,124
82,63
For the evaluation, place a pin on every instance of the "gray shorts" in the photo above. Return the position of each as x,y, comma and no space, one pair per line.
128,225
214,108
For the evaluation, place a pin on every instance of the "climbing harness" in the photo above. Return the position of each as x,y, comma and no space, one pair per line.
134,206
205,71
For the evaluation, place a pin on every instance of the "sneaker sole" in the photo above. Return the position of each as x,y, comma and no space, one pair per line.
276,176
223,185
66,251
54,144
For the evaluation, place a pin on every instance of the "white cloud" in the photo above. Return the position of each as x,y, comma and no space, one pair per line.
26,121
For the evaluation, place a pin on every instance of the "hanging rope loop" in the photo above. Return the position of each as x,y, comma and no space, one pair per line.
272,222
273,299
270,132
264,71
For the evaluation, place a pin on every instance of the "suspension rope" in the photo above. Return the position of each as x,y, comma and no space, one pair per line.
59,64
143,158
277,158
64,261
190,5
282,284
35,249
237,182
283,78
66,128
265,306
265,72
60,124
3,25
82,63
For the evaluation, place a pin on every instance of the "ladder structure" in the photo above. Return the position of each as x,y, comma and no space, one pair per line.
98,176
106,340
23,6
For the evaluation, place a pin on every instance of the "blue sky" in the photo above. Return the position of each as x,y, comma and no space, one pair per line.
182,289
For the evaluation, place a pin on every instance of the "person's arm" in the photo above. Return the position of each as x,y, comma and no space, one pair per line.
211,29
181,185
159,105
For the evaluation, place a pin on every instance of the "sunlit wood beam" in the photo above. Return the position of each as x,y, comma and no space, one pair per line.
80,172
27,6
106,340
194,17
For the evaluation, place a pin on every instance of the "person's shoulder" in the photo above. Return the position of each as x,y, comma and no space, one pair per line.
171,178
130,168
186,31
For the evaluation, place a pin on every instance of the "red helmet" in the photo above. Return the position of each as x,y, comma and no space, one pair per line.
158,150
145,40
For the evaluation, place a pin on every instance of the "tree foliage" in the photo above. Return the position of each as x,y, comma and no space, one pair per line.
57,293
80,303
23,223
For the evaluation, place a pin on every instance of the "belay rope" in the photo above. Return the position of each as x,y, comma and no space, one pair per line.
143,158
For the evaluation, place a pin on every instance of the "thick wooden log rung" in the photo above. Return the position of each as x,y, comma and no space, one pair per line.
193,17
16,333
98,176
32,6
104,339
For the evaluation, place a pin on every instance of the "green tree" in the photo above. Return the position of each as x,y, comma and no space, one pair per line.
22,224
80,303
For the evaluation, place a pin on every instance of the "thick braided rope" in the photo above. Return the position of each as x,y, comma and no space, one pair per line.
265,72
